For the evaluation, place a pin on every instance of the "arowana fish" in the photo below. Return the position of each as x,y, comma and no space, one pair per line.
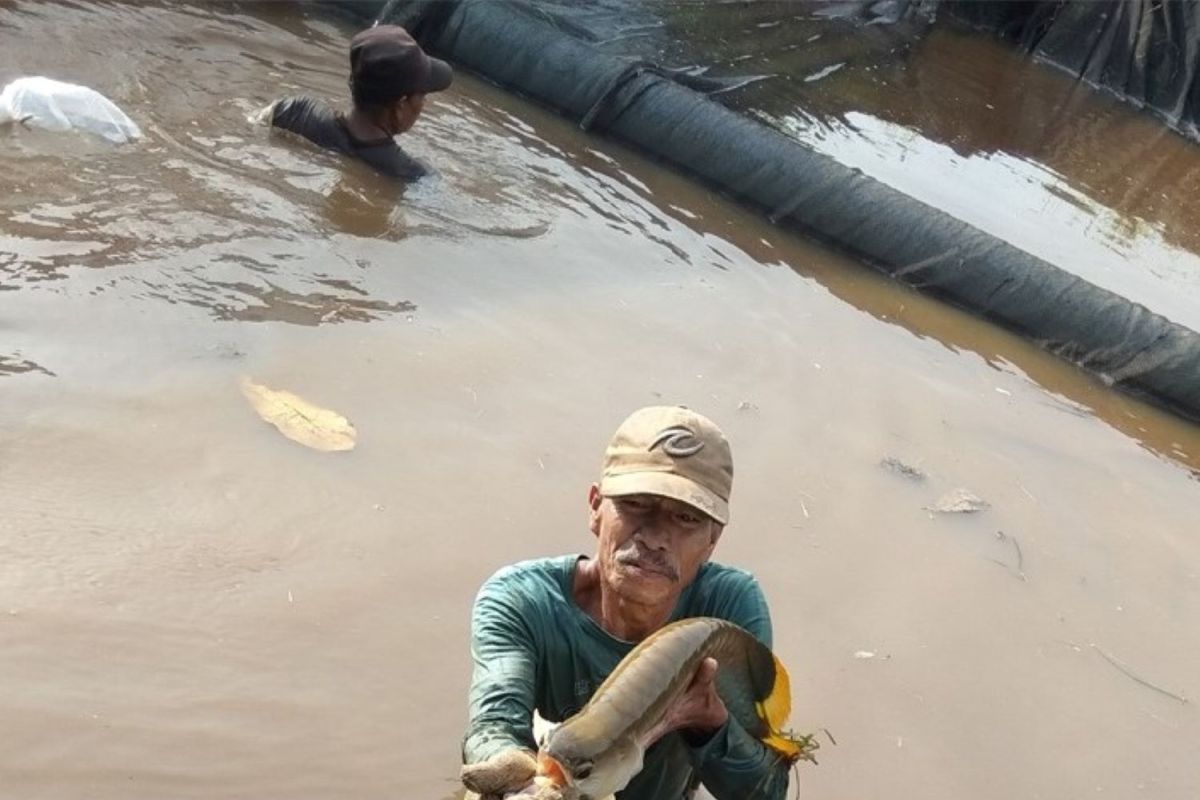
597,752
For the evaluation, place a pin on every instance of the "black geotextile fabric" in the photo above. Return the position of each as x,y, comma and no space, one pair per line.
527,49
1146,51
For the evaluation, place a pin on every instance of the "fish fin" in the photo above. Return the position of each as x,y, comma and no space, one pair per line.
550,772
774,709
787,747
776,706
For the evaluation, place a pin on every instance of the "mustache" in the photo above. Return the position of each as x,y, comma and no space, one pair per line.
637,556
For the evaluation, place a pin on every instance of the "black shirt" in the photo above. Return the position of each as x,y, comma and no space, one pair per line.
317,122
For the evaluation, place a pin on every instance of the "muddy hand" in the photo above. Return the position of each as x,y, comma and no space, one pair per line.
509,776
531,792
504,773
699,709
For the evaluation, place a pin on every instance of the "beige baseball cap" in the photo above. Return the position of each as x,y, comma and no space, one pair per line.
673,452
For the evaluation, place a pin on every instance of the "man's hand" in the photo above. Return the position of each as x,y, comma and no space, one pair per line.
699,711
530,791
506,774
509,775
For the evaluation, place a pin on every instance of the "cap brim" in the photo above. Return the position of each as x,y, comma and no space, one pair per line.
666,484
441,75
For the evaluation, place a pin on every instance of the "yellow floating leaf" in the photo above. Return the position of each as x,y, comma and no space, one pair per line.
299,420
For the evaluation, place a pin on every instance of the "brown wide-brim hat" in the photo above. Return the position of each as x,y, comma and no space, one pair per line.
671,451
386,63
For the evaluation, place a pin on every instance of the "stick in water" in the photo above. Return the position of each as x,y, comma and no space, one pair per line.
1137,677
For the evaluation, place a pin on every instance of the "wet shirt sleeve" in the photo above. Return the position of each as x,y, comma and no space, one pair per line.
732,764
503,682
317,122
309,118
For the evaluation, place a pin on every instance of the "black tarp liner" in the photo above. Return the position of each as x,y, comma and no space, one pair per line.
561,60
1145,51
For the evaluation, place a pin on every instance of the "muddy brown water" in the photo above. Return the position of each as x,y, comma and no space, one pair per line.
191,606
1022,151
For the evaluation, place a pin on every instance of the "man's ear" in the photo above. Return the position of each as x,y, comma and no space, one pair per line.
595,499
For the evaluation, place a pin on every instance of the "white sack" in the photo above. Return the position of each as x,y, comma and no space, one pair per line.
57,106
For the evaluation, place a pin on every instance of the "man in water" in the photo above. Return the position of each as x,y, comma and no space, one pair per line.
546,633
389,78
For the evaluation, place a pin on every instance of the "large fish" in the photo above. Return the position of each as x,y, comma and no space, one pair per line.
596,752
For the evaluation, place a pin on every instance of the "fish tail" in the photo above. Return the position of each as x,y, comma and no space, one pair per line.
776,706
774,709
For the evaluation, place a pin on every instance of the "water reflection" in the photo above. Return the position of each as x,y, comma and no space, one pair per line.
1069,389
977,96
1021,202
267,302
960,121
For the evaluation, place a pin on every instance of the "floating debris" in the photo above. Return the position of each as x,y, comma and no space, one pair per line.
900,468
300,420
1138,678
1019,569
824,73
959,501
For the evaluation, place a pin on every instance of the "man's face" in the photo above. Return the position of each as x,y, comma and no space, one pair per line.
650,547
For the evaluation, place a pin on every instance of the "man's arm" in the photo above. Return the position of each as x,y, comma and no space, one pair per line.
731,763
501,699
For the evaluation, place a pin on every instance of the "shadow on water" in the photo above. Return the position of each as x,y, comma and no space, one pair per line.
276,304
15,365
367,211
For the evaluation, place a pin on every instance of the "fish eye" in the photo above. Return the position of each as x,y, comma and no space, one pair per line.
582,771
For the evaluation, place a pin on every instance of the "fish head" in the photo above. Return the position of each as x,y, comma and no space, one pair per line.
592,776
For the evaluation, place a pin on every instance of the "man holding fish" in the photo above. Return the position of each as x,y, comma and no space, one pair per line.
561,635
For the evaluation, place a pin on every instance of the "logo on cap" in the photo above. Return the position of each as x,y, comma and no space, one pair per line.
678,442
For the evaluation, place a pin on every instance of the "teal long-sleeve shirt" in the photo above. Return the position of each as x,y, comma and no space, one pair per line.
533,647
